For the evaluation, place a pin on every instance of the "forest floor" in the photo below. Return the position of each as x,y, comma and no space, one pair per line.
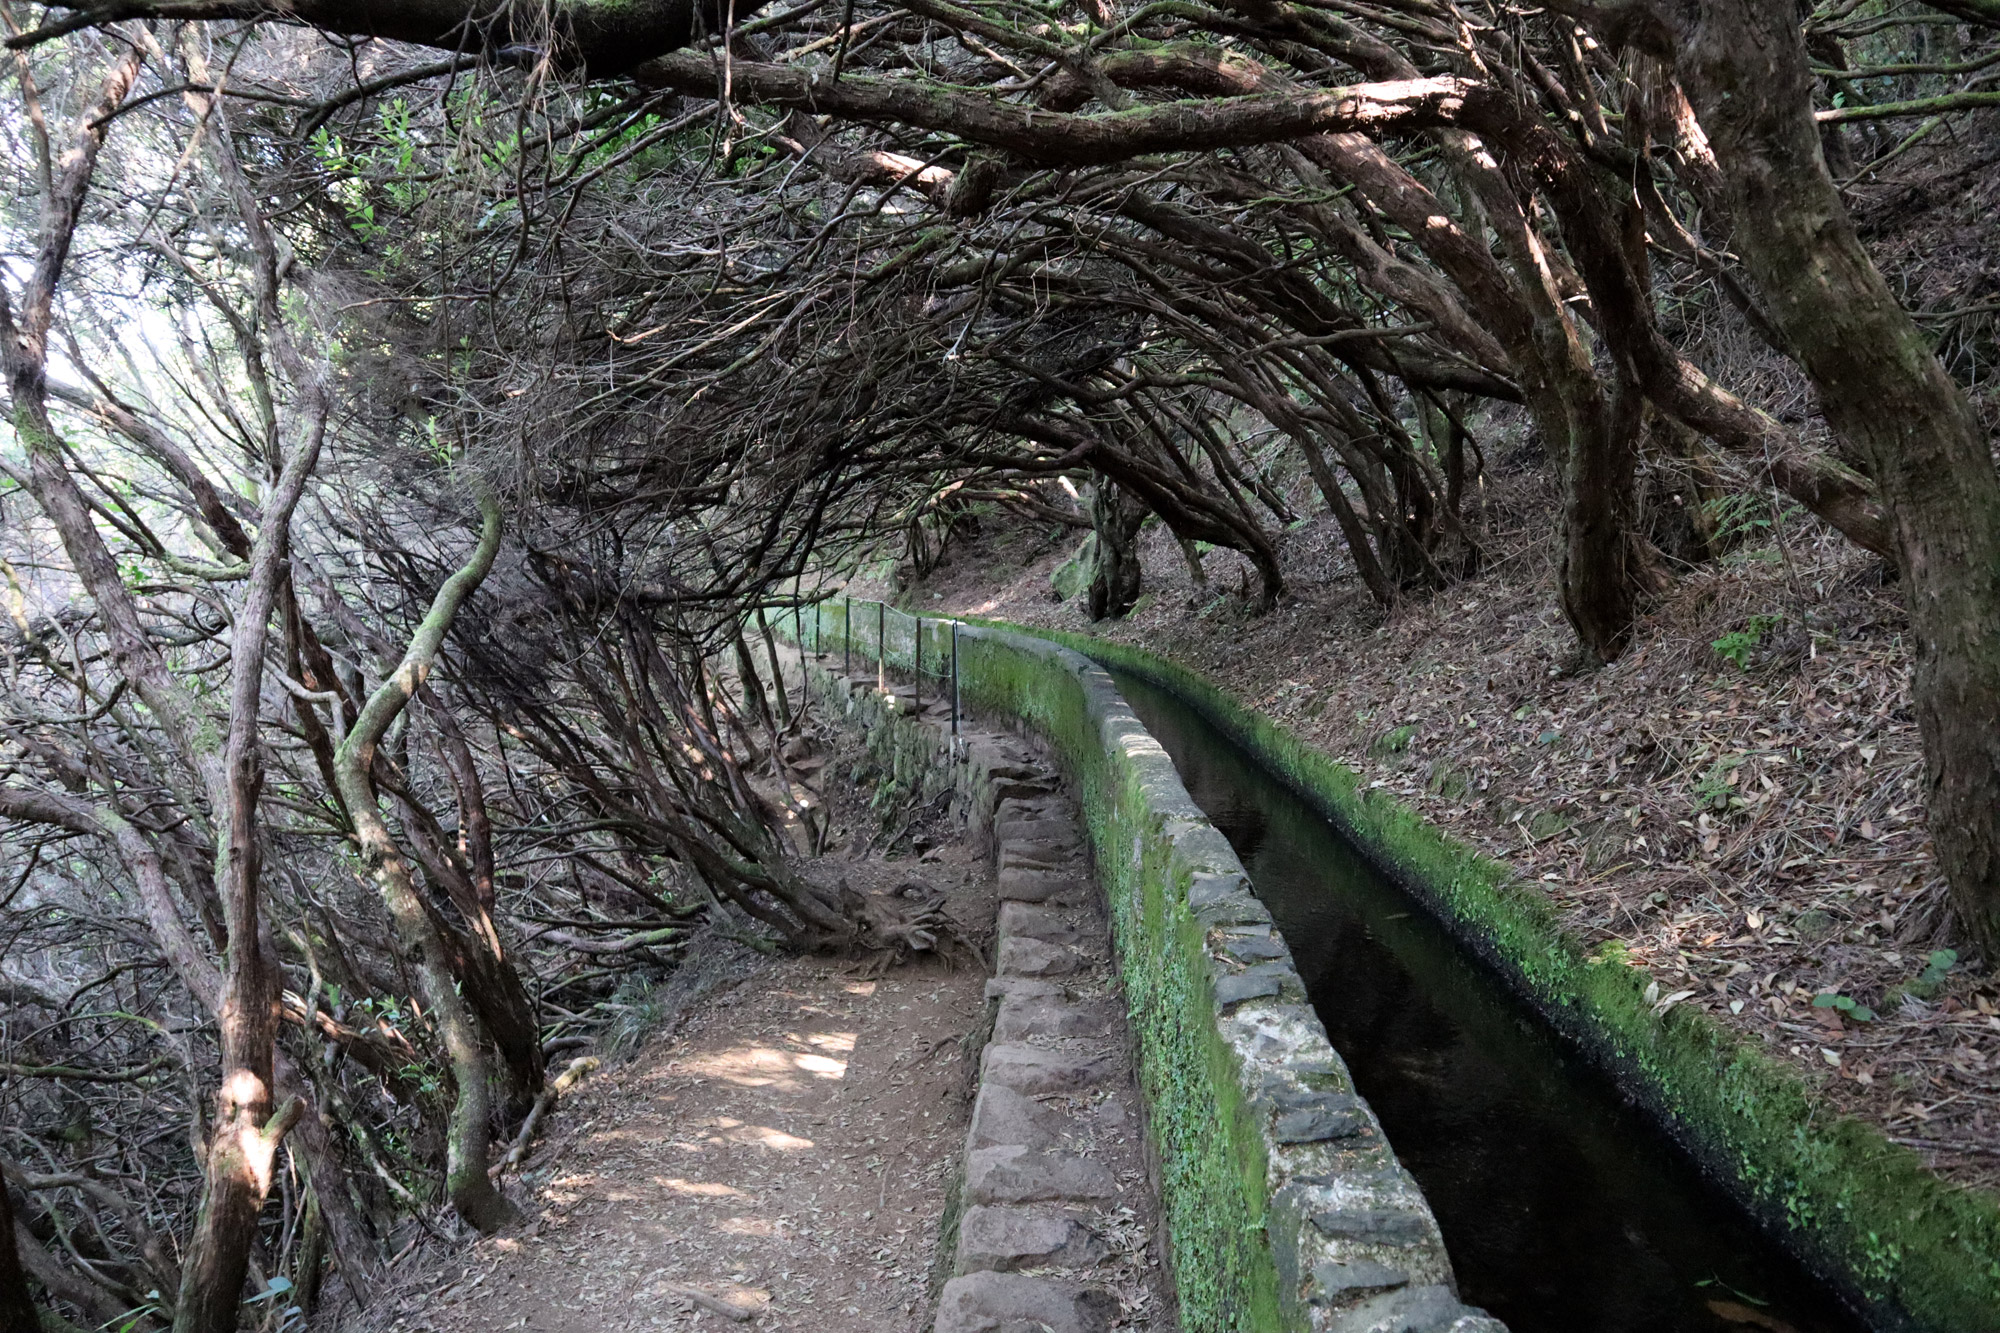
1748,826
779,1153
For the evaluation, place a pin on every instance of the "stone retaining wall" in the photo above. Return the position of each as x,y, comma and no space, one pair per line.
1283,1203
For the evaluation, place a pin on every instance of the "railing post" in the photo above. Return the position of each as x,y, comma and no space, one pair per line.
881,645
847,636
954,680
920,667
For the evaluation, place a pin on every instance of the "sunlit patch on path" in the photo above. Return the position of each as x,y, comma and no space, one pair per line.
782,1164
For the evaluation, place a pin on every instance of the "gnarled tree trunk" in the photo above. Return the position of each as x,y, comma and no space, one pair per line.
1744,68
1114,581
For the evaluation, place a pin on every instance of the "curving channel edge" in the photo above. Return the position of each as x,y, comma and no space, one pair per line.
1351,1238
1283,1201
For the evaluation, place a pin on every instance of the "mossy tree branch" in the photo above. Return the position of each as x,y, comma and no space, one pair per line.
472,1192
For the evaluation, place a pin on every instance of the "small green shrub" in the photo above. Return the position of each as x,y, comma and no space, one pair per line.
1737,645
1927,983
1713,790
1394,741
1736,517
1860,1013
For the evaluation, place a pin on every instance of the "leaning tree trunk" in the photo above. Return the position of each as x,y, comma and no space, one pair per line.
471,1191
486,977
1883,390
352,1244
1352,529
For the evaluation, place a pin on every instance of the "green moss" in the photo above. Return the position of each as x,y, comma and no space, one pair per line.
1392,742
1923,1253
1072,577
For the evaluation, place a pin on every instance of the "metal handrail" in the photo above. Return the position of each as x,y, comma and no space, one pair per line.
919,647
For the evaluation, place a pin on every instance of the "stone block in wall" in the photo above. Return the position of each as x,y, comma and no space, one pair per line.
1034,1070
1023,1016
1016,1173
1002,1117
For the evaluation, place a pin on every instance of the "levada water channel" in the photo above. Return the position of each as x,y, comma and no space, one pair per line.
1564,1208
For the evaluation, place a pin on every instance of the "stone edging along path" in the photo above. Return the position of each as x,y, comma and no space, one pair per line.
1056,1202
1283,1204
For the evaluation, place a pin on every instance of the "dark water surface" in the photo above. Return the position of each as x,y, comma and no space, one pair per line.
1564,1209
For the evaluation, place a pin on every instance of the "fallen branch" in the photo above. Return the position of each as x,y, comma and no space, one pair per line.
565,1081
1947,1145
665,937
77,1075
1943,104
711,1303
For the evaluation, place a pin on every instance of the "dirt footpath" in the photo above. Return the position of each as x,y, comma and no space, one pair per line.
785,1158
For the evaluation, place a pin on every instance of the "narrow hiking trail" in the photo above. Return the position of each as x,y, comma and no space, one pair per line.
783,1150
785,1158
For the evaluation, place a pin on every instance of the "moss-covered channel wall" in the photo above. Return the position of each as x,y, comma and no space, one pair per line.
1283,1204
1864,1212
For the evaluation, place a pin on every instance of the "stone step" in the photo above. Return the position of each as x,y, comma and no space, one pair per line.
1038,884
999,1238
1015,1173
1033,1070
1028,921
1000,758
1059,832
1008,774
1037,958
1002,1116
1016,1303
1022,787
1014,809
1000,988
1038,855
1056,1015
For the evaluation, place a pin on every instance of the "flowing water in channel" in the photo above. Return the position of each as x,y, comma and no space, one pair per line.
1564,1209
